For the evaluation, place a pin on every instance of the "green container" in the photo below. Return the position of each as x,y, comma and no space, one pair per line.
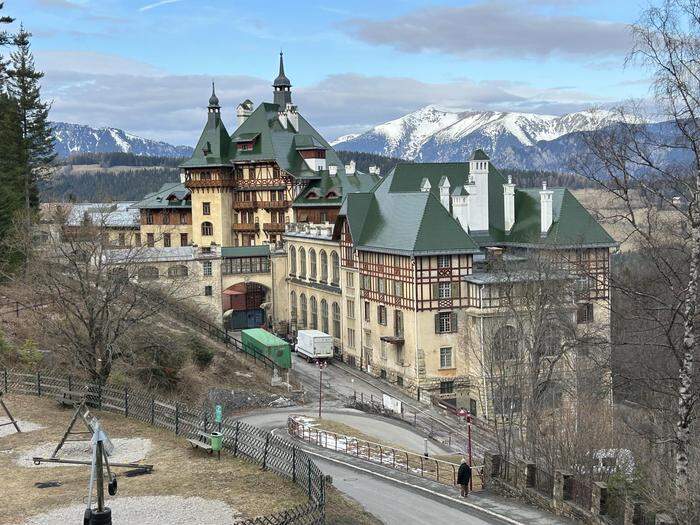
216,439
262,342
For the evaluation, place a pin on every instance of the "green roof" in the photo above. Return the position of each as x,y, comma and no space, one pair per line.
214,145
341,184
246,251
170,195
405,223
479,154
246,137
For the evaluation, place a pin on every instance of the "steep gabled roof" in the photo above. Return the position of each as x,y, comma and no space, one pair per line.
213,147
159,199
341,183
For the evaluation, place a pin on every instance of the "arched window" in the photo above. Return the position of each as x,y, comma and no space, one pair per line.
505,344
336,320
292,261
313,305
179,270
324,316
551,341
324,266
335,263
148,272
207,229
302,263
293,306
302,308
312,264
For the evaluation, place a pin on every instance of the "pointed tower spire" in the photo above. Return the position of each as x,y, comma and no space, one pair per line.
213,100
282,87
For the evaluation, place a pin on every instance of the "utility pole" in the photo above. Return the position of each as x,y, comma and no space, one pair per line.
321,366
468,417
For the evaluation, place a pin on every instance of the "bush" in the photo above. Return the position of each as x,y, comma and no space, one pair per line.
202,354
29,355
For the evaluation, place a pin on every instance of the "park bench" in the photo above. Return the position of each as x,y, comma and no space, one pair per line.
70,398
203,441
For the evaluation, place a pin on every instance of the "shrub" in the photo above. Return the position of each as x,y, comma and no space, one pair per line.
202,355
29,355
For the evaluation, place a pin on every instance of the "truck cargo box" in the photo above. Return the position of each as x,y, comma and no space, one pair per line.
262,342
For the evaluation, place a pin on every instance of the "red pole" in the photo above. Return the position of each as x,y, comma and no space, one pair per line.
469,445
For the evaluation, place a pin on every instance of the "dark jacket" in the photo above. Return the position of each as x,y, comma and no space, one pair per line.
464,474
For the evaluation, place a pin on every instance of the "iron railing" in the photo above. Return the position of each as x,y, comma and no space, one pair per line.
580,492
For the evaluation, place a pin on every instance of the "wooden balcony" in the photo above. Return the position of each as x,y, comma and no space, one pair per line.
245,227
275,227
245,205
215,183
275,205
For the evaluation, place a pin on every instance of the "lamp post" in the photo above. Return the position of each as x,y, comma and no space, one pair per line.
468,417
321,366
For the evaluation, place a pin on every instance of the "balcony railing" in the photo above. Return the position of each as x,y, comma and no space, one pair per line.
245,205
245,227
275,205
273,227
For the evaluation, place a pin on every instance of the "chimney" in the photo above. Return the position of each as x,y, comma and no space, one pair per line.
445,192
425,185
460,206
509,204
545,209
182,176
282,117
293,116
332,170
243,111
350,168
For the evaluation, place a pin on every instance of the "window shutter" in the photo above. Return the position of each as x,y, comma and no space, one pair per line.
455,290
453,321
437,323
436,291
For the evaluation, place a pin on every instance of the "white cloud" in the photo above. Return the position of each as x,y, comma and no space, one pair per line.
158,4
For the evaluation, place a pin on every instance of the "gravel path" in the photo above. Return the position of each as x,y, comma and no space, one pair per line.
148,510
24,426
126,450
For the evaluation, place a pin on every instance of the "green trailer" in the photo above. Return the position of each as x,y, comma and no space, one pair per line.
263,342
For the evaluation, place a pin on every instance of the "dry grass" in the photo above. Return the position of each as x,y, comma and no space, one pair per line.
179,470
344,511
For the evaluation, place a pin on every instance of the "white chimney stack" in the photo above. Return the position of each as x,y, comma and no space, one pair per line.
332,170
545,209
293,116
445,192
460,206
350,168
243,111
509,204
425,185
479,191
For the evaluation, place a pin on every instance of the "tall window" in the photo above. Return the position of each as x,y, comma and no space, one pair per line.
381,314
444,261
302,307
293,306
292,261
183,239
149,216
324,316
444,290
350,308
584,313
206,208
206,268
445,322
302,263
150,240
351,338
324,266
367,312
336,320
314,313
183,217
398,323
166,240
335,272
350,279
207,228
166,217
446,357
505,344
312,264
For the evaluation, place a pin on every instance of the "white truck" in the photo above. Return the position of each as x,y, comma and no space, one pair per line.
314,344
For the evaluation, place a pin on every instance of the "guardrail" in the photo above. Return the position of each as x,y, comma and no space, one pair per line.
241,439
419,465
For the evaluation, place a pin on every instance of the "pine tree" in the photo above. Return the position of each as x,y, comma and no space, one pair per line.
37,142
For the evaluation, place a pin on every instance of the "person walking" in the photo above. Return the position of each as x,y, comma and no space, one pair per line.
464,476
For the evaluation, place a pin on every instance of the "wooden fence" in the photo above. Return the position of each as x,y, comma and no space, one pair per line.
240,439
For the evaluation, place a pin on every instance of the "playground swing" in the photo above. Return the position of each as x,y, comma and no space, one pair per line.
12,420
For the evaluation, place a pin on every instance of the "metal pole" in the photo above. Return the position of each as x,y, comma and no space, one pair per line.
100,479
469,446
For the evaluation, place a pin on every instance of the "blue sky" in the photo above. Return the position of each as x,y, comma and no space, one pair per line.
146,65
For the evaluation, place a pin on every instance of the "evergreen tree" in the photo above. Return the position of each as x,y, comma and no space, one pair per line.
37,142
5,38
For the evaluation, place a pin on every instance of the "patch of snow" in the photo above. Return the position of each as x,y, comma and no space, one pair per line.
24,426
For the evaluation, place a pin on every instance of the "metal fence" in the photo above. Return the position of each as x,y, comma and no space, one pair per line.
241,439
438,470
544,482
509,471
580,492
615,508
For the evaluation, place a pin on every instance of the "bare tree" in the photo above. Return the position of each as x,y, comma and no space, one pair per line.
654,173
95,293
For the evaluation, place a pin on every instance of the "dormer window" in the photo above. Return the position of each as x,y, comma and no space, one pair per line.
312,195
207,148
331,195
245,146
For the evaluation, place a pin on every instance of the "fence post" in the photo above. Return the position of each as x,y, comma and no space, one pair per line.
38,384
70,383
177,418
267,445
153,411
235,441
126,401
294,464
4,373
206,420
99,395
308,464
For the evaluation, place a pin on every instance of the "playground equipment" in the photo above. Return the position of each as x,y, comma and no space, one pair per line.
12,420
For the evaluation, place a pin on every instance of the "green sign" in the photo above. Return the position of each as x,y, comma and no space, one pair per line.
217,414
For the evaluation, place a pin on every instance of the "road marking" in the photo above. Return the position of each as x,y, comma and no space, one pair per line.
424,489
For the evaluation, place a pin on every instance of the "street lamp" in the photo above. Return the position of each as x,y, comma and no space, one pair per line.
321,365
468,417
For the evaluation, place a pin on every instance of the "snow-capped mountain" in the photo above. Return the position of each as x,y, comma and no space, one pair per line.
513,140
77,138
344,138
